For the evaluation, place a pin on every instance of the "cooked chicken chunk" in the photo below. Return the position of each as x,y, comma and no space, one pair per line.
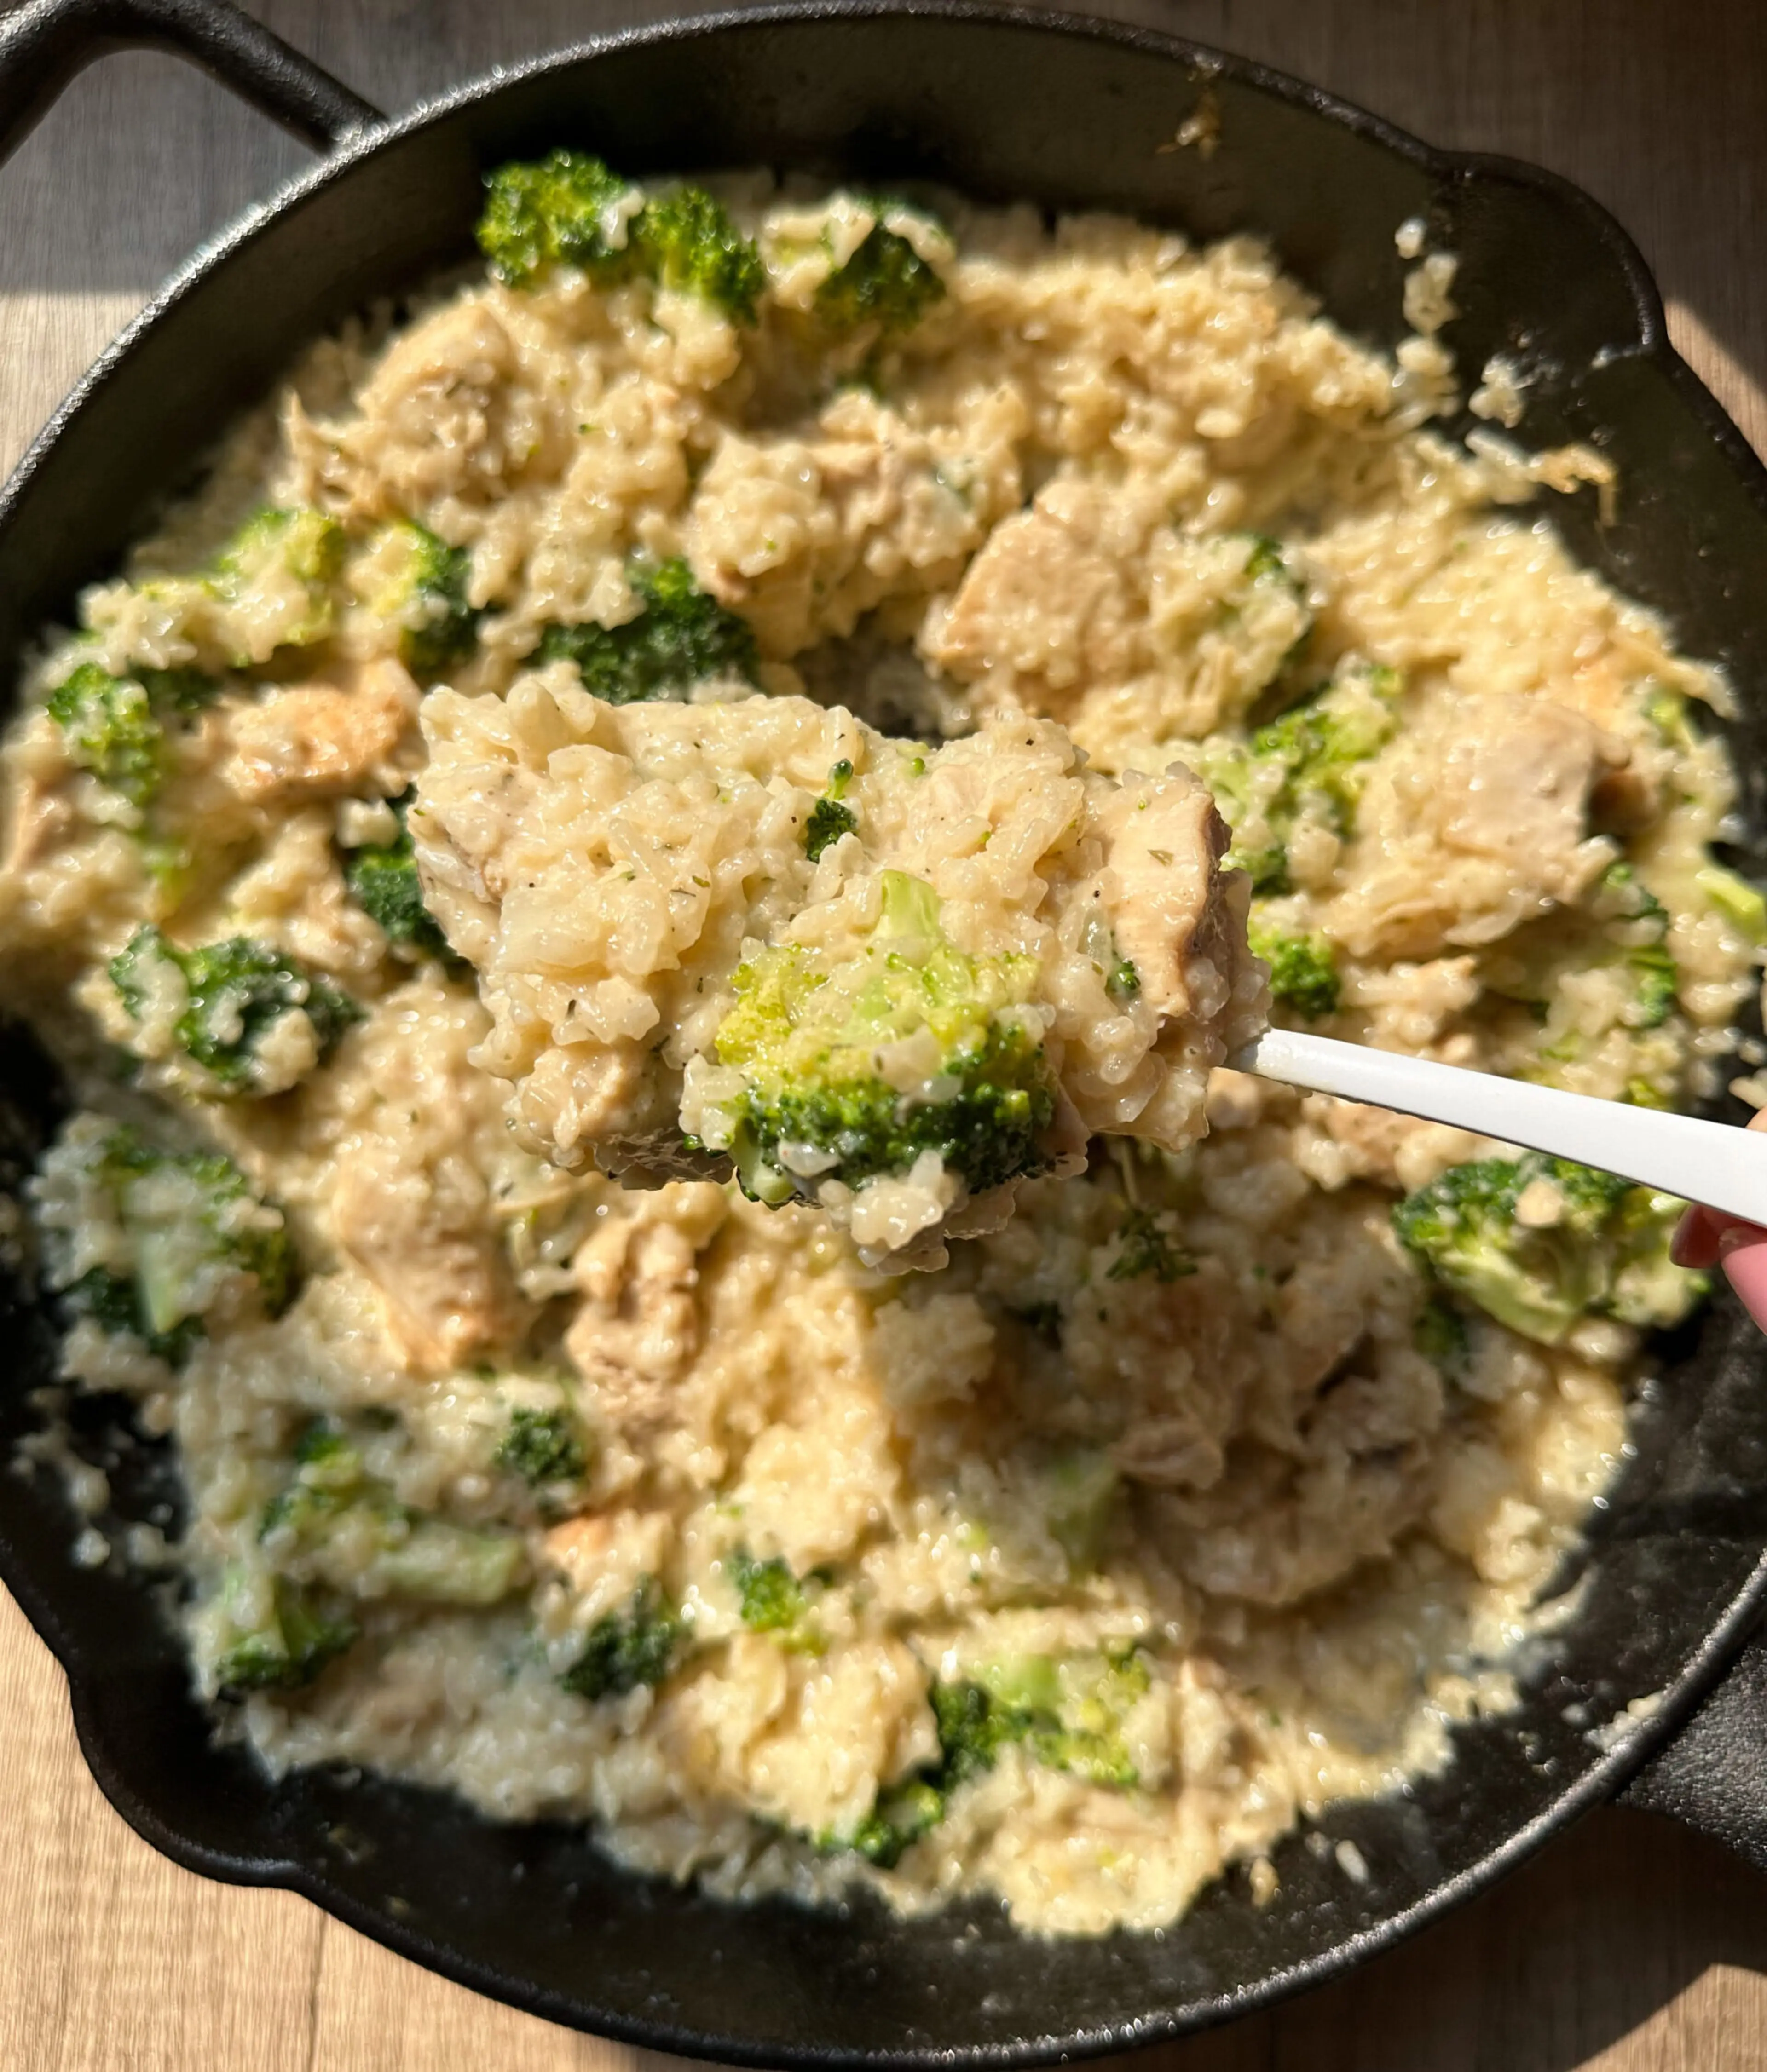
320,740
1478,822
1089,600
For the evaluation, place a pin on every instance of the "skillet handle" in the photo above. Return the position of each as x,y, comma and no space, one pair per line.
43,43
1713,1775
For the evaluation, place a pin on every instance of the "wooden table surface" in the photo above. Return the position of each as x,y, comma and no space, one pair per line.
1628,1945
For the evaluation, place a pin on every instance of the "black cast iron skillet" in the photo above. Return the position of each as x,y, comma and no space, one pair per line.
1001,104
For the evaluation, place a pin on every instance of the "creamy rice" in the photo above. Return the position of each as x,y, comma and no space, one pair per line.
662,1509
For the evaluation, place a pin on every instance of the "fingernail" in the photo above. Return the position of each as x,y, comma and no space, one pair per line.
1681,1244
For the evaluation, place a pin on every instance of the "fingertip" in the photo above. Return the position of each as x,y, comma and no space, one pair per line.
1742,1251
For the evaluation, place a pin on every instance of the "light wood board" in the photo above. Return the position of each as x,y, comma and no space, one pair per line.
1628,1946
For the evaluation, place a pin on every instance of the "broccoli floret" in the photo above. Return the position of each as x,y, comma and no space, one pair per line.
383,879
1624,897
973,1726
686,239
185,1228
680,637
628,1647
1302,971
885,283
334,1524
418,582
830,819
1592,1245
1311,761
774,1601
806,1039
232,993
1646,1288
542,1446
569,209
1146,1247
113,1302
298,551
110,729
287,1649
903,1814
1068,1714
114,726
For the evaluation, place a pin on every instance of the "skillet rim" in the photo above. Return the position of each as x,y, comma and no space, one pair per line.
1721,1640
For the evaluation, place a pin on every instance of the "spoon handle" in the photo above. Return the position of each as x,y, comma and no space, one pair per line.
1710,1162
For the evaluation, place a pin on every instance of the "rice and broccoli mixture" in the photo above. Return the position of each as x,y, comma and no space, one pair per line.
899,1000
1213,1484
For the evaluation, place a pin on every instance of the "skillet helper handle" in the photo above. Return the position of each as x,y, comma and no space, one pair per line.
1713,1775
44,43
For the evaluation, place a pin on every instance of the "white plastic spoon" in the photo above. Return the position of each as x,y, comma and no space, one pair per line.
1710,1162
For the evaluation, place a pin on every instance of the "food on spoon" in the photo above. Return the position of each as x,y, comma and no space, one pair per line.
892,980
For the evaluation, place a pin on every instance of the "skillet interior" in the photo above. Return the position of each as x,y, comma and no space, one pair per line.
1002,107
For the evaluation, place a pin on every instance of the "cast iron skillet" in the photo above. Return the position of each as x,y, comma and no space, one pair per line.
1001,104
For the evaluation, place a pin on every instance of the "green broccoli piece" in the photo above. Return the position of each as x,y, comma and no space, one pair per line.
903,1814
383,880
110,729
419,582
686,239
885,283
187,1226
1068,1714
774,1601
1146,1247
1267,563
1311,761
542,1446
806,1038
628,1647
1123,982
1669,714
1736,898
973,1726
680,637
298,547
114,726
1302,971
234,993
287,1650
113,1302
1647,1288
1623,897
828,819
1604,1252
1086,1737
568,209
335,1523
